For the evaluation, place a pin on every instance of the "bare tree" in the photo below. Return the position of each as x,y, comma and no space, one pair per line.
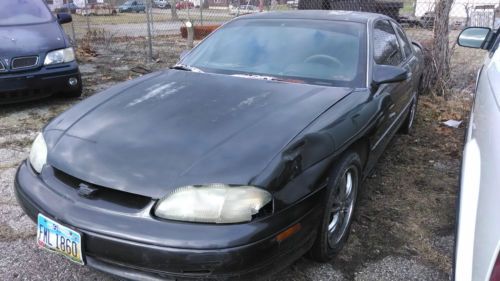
440,71
467,7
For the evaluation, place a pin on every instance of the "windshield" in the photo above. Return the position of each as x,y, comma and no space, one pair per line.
311,51
14,12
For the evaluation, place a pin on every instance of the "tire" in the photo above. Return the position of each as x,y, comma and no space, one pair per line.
74,93
407,126
336,220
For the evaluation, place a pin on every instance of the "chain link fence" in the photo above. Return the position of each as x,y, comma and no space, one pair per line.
150,28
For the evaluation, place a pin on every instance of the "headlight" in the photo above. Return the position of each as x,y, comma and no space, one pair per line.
215,203
38,153
59,56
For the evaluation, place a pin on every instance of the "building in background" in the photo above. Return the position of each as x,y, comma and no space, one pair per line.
57,4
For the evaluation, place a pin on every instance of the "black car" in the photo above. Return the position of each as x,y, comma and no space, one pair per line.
427,20
245,155
36,57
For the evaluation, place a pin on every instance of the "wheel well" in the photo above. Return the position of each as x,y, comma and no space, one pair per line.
362,147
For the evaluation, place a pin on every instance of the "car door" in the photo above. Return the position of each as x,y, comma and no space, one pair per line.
391,97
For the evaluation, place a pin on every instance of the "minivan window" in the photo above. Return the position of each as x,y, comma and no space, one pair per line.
13,12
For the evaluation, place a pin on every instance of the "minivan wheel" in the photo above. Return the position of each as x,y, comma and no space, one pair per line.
339,203
74,93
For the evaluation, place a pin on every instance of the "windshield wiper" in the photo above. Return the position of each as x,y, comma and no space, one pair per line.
186,68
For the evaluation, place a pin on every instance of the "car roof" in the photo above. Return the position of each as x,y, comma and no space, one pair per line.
362,17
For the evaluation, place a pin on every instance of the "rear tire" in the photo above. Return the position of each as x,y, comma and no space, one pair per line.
340,200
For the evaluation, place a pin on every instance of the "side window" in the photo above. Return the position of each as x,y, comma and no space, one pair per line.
403,41
386,49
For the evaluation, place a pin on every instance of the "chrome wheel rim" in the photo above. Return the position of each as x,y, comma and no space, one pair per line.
342,207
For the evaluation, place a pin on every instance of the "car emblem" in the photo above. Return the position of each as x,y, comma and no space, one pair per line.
87,191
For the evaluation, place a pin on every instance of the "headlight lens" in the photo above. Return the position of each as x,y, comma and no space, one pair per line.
38,153
215,203
59,56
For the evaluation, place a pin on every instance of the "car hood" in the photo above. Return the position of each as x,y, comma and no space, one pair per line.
33,39
178,128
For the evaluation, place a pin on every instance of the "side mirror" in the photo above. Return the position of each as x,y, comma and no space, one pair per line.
388,74
474,37
64,18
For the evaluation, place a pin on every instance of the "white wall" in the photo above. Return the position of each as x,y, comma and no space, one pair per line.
457,10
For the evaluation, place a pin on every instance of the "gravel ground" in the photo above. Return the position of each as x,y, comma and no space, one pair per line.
403,225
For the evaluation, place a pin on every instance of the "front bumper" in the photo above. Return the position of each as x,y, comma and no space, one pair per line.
38,83
135,245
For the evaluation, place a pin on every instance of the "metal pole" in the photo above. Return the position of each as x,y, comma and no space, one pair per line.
201,11
150,44
87,14
152,19
74,34
190,34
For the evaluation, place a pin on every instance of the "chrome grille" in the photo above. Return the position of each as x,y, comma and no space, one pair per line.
24,62
2,67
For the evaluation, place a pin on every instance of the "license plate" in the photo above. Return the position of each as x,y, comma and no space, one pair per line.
60,239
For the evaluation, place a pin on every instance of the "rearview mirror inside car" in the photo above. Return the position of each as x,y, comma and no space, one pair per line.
474,37
388,74
64,18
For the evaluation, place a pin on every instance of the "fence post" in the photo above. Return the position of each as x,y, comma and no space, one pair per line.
74,34
190,34
87,15
150,43
202,2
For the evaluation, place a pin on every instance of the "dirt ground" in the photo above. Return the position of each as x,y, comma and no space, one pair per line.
404,223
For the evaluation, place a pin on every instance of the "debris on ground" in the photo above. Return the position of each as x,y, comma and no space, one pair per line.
453,123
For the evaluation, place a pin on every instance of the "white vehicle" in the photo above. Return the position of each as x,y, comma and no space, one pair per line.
292,4
162,4
477,255
243,10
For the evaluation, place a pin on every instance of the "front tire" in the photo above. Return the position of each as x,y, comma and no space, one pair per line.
340,200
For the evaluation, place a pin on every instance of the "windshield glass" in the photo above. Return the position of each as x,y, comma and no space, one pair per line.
312,51
14,12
